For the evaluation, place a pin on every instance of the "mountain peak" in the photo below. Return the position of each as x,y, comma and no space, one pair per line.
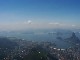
73,38
73,34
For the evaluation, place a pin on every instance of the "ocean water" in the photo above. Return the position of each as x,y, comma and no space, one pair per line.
39,38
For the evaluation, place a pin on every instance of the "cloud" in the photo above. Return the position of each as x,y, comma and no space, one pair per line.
34,25
51,23
56,23
73,25
28,22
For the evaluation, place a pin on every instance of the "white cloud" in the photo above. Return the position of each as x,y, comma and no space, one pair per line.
29,21
73,25
51,23
56,23
35,25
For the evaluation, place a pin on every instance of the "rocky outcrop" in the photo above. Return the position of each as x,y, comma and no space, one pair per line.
73,38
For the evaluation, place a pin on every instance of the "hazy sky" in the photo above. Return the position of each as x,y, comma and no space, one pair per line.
24,14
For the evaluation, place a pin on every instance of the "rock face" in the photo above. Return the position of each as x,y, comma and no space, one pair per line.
73,38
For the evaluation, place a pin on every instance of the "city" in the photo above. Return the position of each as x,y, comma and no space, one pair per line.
39,29
23,49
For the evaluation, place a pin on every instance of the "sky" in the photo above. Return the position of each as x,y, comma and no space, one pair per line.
38,14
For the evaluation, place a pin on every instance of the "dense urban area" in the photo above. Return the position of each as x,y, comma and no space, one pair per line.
12,48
